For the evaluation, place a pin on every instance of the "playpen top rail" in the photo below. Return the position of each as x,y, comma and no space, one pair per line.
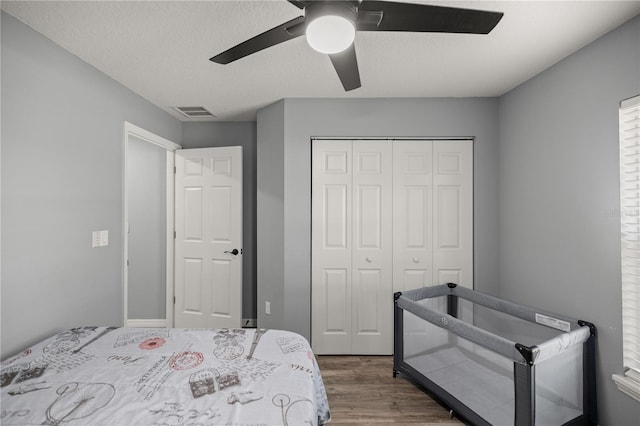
575,332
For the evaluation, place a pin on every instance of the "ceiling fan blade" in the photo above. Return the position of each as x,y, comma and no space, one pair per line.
424,18
346,65
287,31
300,4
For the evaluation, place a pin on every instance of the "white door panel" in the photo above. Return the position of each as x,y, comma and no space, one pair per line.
331,272
413,225
193,283
412,215
208,288
336,199
386,216
335,296
453,212
372,291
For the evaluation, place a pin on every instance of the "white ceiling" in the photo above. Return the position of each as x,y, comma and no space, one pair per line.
161,50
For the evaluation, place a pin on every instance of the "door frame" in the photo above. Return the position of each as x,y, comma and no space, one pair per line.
391,139
131,130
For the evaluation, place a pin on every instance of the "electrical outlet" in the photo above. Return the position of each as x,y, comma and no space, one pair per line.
267,308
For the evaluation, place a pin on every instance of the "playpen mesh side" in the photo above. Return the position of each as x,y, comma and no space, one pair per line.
481,377
559,387
477,377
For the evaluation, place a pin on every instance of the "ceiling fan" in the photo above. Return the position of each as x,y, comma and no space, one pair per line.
330,28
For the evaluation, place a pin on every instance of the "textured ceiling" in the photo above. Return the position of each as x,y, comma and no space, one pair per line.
161,50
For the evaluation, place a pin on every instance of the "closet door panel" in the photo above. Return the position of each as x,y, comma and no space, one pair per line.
386,216
331,269
412,217
448,202
453,212
367,289
335,288
335,202
372,291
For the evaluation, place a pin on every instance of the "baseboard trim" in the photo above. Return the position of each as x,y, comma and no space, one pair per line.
147,323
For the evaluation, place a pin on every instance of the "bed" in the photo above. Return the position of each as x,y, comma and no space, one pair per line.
163,376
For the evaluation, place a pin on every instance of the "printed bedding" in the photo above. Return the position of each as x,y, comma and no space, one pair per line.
161,376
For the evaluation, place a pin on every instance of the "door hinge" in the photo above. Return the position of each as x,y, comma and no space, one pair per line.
174,235
174,170
174,300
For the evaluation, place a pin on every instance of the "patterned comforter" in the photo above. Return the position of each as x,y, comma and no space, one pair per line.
162,376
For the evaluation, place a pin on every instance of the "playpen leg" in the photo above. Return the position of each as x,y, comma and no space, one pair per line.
524,381
452,305
590,402
398,348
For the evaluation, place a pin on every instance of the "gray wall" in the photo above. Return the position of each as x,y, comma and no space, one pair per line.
147,210
545,200
285,130
62,136
270,208
212,134
559,196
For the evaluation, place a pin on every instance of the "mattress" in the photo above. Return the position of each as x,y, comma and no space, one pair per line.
162,376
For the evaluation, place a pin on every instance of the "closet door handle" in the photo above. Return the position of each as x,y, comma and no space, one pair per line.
233,252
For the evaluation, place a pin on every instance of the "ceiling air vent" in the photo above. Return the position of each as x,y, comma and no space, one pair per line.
194,112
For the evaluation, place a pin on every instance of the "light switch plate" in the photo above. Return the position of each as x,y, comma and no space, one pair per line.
99,238
95,239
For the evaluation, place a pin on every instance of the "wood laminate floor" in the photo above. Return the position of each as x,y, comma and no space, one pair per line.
362,390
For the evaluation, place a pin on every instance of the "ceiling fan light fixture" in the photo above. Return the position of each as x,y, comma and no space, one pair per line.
330,34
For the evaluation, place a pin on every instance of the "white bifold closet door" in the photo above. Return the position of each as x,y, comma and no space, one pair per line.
386,216
432,213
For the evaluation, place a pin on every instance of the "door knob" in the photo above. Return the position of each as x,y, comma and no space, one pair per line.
233,252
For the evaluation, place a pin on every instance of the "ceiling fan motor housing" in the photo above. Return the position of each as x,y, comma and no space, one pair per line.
344,9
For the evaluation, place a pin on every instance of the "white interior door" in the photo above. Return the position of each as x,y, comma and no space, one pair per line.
433,219
208,243
352,302
386,216
331,272
453,212
433,213
412,206
372,301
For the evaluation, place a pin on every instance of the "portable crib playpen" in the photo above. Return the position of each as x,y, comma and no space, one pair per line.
494,362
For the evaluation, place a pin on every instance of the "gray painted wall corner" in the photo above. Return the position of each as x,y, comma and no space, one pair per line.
61,179
270,223
559,191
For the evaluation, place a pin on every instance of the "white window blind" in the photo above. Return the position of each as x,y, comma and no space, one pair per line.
630,243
